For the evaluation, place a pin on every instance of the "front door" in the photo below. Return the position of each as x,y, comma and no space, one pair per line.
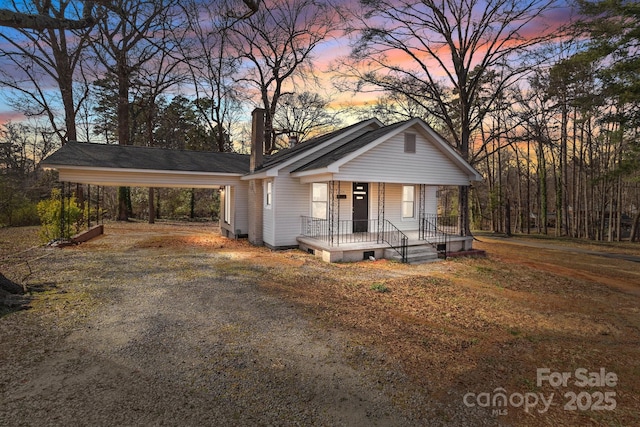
360,207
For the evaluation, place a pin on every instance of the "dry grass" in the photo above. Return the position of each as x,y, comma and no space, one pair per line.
459,326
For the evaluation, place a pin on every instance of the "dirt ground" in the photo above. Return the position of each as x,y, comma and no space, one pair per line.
435,344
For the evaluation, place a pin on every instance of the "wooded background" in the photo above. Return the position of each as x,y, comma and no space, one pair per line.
541,97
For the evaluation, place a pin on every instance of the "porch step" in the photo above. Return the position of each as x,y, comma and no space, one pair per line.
416,254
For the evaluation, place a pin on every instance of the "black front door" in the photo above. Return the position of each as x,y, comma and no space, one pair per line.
360,207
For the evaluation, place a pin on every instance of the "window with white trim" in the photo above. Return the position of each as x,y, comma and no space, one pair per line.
227,204
268,194
408,201
319,200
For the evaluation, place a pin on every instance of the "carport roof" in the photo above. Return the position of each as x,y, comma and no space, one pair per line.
93,155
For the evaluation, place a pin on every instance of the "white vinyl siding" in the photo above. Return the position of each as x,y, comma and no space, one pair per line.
431,200
408,201
282,223
319,200
389,163
234,216
393,207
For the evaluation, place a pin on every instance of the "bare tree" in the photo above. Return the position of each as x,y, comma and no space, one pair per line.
130,35
438,53
304,115
212,68
276,43
45,17
39,57
42,20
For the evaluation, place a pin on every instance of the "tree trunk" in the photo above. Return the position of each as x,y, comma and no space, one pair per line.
619,211
158,204
122,204
634,227
528,186
463,205
507,217
542,193
123,136
192,204
152,210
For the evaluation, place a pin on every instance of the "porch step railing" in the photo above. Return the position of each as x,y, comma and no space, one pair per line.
395,238
350,231
437,230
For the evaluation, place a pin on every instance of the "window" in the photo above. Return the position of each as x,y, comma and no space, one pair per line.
319,200
408,198
268,195
409,142
227,204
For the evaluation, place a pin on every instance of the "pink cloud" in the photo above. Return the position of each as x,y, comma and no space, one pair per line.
10,116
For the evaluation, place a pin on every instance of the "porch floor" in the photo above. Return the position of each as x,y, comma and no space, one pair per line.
354,251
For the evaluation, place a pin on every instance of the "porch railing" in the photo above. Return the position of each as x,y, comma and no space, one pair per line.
350,231
344,231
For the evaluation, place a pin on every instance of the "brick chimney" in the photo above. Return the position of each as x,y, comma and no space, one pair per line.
257,139
293,140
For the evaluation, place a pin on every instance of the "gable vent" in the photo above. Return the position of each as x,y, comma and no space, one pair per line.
409,142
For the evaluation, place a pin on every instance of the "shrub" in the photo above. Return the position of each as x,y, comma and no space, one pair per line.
26,214
379,287
49,211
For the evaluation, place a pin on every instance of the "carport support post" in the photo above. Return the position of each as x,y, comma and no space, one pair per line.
62,227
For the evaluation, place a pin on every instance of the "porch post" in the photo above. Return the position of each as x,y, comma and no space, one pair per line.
331,195
381,201
422,200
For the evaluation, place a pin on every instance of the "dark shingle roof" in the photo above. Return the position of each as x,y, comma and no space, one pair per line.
150,158
288,153
349,148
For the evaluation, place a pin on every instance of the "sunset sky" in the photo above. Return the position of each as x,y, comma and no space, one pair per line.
325,55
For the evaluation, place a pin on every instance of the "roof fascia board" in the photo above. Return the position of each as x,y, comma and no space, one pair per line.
330,170
139,171
269,173
325,177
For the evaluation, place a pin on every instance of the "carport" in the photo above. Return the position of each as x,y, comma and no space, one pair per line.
125,165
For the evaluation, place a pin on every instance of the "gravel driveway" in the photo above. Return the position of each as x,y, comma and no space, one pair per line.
139,332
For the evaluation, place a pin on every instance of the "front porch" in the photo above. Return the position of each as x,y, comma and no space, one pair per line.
349,240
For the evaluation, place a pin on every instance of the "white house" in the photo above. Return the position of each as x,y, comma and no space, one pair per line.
366,190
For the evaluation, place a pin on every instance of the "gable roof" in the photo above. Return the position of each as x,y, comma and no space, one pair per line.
343,150
312,148
365,142
83,154
305,146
